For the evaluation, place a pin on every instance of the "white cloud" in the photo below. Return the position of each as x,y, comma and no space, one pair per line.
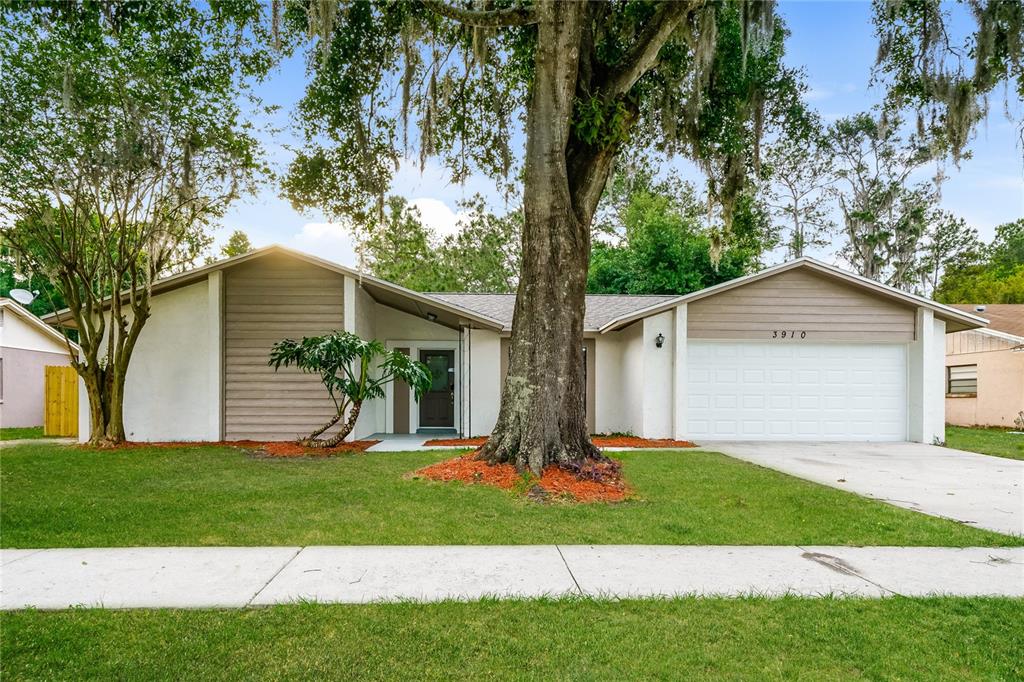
330,241
438,216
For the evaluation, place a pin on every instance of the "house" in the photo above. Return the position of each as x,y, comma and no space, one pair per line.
27,346
800,351
985,368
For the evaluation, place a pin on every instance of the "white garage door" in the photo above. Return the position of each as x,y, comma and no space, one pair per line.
796,391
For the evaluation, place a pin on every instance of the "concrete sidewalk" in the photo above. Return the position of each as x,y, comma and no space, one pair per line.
37,441
235,577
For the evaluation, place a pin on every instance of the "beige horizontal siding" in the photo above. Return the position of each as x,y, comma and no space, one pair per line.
973,342
797,301
265,301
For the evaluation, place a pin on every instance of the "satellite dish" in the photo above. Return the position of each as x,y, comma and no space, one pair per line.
23,296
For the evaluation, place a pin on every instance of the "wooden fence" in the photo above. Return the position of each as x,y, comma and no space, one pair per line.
61,396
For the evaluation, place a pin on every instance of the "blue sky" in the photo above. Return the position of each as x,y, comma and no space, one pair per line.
832,41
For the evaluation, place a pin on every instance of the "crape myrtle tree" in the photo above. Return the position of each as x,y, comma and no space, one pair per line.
581,81
121,139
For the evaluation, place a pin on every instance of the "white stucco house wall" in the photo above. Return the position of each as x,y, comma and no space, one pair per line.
800,351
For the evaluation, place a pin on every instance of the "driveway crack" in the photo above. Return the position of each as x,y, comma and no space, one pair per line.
276,573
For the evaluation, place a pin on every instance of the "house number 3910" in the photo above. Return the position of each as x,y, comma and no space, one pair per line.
788,334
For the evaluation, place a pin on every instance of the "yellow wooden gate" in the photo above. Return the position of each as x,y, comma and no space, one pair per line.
61,395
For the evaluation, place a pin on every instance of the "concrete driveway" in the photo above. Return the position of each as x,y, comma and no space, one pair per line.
984,491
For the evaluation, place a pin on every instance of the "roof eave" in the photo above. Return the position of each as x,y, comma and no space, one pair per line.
39,323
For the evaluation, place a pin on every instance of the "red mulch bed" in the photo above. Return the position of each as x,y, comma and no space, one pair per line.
599,441
603,483
263,448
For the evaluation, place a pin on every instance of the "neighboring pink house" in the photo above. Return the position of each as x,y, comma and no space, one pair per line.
27,345
985,368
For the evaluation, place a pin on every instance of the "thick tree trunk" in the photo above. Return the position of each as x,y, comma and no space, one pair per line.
106,416
105,380
543,416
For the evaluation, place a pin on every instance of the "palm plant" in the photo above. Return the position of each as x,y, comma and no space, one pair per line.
353,370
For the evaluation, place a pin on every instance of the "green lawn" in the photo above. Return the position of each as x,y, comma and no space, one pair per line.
16,433
704,639
998,442
53,496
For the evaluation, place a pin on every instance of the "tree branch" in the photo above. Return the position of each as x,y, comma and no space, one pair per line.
644,53
509,16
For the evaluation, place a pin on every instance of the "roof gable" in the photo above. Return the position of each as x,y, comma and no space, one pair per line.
956,320
381,290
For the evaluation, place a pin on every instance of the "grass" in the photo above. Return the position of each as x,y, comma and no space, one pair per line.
52,496
19,432
997,442
700,639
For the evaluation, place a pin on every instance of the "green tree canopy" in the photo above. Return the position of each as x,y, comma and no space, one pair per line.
482,256
238,244
48,299
663,248
997,275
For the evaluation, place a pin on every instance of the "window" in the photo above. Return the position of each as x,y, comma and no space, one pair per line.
962,380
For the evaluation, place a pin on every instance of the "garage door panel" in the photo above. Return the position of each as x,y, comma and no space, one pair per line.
798,391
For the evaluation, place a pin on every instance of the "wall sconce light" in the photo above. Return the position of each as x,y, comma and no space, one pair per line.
431,316
659,340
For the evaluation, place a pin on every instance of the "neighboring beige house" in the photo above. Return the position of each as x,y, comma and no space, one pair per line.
985,368
800,351
27,345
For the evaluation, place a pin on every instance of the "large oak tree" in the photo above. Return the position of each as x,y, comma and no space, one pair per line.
576,83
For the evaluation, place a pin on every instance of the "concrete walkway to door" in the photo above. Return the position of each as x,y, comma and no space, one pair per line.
238,577
979,490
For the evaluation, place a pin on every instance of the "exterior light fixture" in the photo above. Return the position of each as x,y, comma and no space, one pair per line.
659,340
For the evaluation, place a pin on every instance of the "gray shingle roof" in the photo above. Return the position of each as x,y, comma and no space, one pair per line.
601,308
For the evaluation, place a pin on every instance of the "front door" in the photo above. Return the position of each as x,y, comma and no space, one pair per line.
437,407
